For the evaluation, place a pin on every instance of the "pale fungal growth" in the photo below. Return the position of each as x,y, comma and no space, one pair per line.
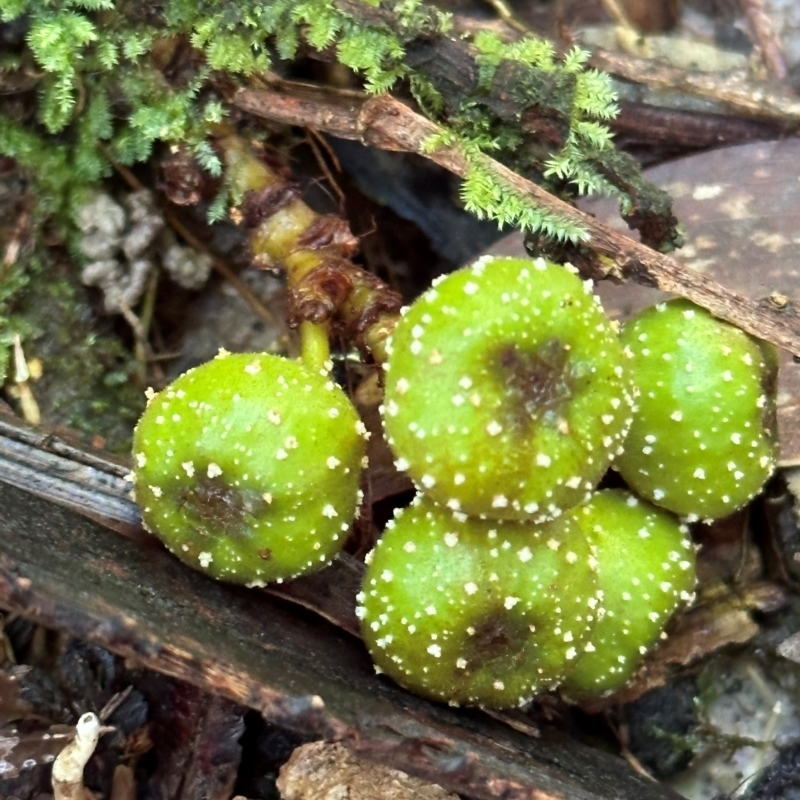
498,626
703,441
507,390
67,778
124,243
242,481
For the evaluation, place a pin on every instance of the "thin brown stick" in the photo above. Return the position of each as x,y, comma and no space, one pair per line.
314,141
390,125
765,36
735,90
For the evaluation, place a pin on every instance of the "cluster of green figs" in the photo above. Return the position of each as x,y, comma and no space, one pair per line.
508,396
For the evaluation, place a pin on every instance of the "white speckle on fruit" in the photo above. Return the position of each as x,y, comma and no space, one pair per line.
213,470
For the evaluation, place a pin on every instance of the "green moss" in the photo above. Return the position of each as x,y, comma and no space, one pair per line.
102,96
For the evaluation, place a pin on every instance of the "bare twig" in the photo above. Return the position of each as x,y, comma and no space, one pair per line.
390,125
765,36
736,90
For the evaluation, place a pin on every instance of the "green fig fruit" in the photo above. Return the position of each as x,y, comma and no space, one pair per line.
703,439
507,390
477,612
247,467
645,571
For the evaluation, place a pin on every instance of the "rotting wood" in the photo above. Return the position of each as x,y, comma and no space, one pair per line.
391,125
130,596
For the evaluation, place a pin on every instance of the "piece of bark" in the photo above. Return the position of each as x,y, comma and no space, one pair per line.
653,130
196,739
743,96
323,771
132,597
540,113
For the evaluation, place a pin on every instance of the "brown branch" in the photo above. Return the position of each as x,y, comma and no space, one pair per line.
535,103
765,36
390,125
735,90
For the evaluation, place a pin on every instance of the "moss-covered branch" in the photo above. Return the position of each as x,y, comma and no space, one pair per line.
390,125
127,75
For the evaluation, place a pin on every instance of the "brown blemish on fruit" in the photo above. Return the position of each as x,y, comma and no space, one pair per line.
498,643
538,382
219,506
